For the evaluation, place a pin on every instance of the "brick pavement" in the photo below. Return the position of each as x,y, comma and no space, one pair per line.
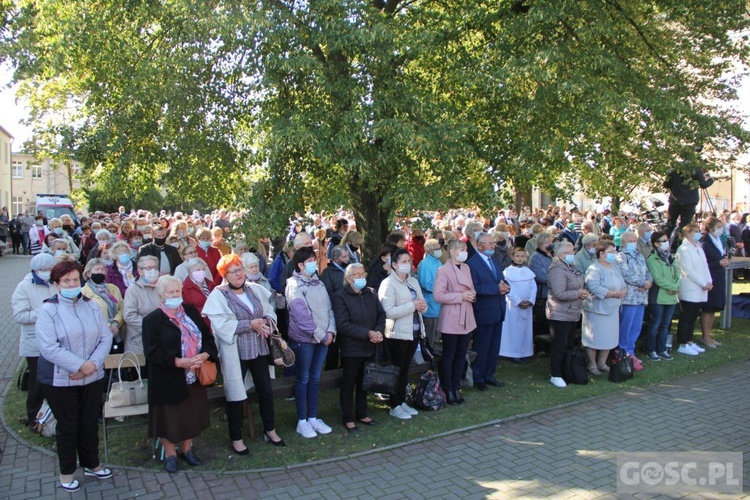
569,452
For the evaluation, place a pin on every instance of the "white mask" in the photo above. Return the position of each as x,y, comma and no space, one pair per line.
437,253
404,268
462,256
151,275
664,246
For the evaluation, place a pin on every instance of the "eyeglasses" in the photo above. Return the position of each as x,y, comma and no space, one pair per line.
236,271
359,275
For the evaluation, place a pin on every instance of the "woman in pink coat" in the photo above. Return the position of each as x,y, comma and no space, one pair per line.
454,289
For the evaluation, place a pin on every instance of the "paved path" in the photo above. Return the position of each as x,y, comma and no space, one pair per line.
564,453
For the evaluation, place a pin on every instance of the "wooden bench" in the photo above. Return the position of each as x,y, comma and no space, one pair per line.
112,362
284,388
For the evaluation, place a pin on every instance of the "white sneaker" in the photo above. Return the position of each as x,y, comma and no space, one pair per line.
408,409
558,382
306,430
399,412
687,349
319,426
697,348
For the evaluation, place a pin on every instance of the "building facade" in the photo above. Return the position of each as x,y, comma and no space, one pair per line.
6,189
31,177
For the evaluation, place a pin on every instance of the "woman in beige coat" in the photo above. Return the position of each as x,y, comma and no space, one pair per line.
404,304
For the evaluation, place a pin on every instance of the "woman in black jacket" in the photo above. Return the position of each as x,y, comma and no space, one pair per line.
176,341
360,322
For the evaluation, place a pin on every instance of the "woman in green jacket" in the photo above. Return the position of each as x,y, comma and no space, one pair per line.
662,296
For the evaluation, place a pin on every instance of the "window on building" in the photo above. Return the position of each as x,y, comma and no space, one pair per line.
17,169
36,171
17,205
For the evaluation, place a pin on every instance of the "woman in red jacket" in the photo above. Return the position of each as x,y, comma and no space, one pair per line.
210,255
196,288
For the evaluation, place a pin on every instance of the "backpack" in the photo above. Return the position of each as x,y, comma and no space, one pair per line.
46,423
428,395
573,367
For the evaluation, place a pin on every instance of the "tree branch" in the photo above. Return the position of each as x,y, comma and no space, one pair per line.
640,33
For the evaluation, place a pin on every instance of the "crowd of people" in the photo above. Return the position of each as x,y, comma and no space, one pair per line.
186,289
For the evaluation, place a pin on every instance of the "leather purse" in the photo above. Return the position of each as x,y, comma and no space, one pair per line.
280,350
206,373
128,393
380,378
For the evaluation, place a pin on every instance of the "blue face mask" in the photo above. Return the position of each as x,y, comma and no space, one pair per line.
70,293
204,245
57,231
360,283
490,252
570,259
124,258
610,257
630,247
592,251
476,234
697,236
173,303
647,236
311,268
59,252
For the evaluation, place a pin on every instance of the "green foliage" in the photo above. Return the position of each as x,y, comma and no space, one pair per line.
385,106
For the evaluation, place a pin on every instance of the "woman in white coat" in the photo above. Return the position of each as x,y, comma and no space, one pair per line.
695,283
240,313
27,298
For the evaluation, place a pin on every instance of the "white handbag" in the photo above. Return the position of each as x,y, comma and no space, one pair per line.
128,393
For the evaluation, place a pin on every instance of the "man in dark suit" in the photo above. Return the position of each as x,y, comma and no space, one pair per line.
489,311
169,256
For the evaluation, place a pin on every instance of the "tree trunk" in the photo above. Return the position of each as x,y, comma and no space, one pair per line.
616,201
371,218
522,197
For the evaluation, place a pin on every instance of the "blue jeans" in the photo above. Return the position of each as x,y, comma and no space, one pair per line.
308,367
631,321
661,318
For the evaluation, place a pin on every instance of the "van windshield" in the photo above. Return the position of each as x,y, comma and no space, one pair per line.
52,212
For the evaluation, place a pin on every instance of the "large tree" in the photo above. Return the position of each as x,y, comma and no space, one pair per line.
384,105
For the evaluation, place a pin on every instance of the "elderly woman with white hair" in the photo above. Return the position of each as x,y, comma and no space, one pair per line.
56,226
27,298
121,272
251,263
176,341
587,254
140,300
197,286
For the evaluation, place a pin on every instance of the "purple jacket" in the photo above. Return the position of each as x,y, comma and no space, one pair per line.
310,312
115,277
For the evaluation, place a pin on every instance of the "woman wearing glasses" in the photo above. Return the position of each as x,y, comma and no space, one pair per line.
360,322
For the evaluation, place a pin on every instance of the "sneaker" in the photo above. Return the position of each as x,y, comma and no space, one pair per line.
319,426
382,397
688,350
399,412
104,473
665,356
306,430
697,348
74,485
408,409
558,382
653,356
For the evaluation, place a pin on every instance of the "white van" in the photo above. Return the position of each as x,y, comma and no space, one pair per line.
55,205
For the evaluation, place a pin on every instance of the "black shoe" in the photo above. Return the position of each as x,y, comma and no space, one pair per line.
190,458
481,387
495,383
459,398
517,361
267,439
351,429
370,422
450,398
243,453
170,464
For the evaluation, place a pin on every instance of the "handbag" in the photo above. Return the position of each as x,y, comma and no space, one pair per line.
206,373
573,367
128,393
46,423
280,350
620,366
380,378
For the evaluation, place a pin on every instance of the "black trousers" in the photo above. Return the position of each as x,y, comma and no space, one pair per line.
259,370
34,397
400,353
562,339
684,212
77,410
689,312
454,360
351,389
332,357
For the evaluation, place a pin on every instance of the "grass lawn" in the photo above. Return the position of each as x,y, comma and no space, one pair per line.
527,389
